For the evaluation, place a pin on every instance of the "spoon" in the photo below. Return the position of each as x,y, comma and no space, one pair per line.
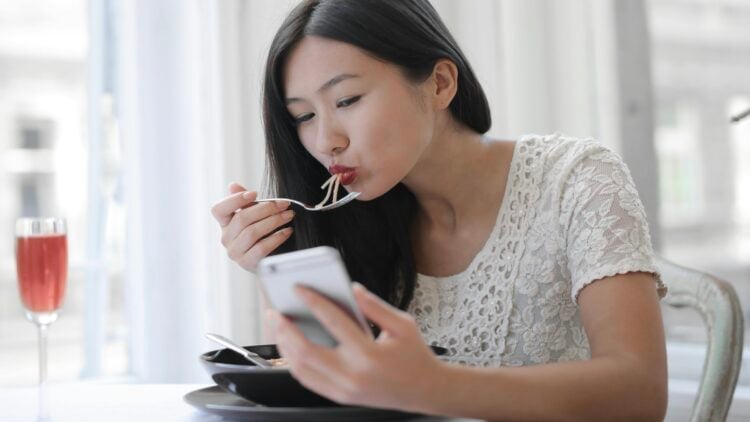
251,356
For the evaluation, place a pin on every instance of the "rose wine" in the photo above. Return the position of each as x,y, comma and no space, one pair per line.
42,264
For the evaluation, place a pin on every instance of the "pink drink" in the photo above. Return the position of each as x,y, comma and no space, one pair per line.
42,264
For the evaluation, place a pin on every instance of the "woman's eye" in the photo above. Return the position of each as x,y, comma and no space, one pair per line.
346,102
303,118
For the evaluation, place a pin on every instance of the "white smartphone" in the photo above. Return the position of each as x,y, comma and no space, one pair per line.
320,269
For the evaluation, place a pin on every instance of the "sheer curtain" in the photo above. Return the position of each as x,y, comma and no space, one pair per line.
163,91
169,97
188,95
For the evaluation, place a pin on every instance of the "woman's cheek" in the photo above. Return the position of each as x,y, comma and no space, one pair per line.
306,137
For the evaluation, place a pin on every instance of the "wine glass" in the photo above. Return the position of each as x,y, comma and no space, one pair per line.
42,265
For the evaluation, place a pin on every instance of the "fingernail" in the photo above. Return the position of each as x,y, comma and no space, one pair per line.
282,204
287,214
361,290
247,195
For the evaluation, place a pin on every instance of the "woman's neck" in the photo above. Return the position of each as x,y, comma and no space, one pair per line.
455,180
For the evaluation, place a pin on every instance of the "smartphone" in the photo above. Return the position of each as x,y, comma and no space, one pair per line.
320,269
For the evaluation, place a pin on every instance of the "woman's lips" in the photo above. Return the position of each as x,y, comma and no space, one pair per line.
348,174
348,177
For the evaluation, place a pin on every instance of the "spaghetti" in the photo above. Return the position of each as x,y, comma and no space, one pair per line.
333,184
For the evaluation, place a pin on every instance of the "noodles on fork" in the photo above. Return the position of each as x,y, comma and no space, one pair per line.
333,184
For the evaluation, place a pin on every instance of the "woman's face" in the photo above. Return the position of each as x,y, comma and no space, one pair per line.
357,112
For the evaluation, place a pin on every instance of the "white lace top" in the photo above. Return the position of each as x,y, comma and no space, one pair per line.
570,215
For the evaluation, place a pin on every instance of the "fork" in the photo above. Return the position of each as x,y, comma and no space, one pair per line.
229,344
341,202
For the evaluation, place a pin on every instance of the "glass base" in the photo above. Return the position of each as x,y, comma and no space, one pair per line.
42,318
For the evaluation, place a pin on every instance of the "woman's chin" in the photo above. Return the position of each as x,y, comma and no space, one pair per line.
364,195
369,192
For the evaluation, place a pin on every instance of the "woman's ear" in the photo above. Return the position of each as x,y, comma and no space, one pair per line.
445,79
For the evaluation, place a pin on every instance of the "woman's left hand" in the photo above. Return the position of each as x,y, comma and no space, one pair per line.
396,370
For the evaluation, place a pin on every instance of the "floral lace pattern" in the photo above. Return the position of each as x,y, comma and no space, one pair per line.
570,216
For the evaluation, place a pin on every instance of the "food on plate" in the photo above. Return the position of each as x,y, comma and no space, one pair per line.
278,363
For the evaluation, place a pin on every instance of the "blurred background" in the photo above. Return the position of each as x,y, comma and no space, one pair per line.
130,118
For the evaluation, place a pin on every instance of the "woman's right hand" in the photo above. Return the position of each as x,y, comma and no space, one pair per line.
249,231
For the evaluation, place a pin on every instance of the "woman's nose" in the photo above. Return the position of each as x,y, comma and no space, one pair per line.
331,140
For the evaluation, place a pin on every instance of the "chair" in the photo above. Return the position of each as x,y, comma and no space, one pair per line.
716,301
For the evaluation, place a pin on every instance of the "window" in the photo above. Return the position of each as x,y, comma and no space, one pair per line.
680,167
700,62
740,143
44,161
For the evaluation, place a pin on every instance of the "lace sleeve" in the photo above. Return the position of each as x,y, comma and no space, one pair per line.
603,222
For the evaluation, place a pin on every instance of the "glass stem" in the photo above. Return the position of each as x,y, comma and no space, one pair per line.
43,395
43,354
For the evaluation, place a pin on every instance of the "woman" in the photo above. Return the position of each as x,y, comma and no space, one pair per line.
529,260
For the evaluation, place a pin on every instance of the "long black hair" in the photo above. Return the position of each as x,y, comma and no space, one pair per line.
373,237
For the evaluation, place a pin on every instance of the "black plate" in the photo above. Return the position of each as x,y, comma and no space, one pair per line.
219,402
273,387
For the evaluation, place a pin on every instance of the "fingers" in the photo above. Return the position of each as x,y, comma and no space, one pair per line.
294,346
235,187
263,218
390,319
224,210
292,342
313,366
339,323
249,260
248,227
244,230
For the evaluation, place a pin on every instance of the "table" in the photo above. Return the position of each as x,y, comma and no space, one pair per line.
86,401
92,401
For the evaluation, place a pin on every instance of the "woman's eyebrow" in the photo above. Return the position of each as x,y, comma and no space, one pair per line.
326,86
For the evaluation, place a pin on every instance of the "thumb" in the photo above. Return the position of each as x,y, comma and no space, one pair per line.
389,319
235,187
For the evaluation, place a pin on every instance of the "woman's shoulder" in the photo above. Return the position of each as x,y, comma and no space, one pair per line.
556,155
558,149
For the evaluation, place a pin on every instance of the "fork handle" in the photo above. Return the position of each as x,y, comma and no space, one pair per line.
247,354
283,199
